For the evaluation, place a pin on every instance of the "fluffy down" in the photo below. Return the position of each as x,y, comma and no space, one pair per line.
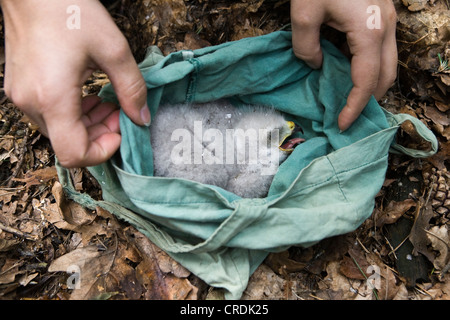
237,149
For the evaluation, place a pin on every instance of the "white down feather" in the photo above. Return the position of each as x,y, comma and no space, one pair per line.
214,143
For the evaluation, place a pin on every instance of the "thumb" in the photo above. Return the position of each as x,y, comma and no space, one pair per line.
129,85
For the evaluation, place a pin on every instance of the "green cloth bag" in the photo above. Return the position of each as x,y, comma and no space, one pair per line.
326,187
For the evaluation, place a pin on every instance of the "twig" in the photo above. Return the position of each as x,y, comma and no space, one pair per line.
392,249
21,159
400,244
362,246
415,41
445,242
17,232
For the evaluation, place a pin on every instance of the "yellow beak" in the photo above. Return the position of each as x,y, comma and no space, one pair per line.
290,145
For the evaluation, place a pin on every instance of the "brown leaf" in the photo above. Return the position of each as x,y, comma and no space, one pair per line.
72,212
38,177
349,268
8,244
9,271
443,107
282,264
437,116
88,263
440,241
355,265
393,211
418,236
159,284
265,284
441,290
77,178
192,41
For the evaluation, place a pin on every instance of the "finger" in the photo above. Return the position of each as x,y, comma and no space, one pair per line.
128,83
108,125
89,102
365,69
388,66
98,112
306,24
70,138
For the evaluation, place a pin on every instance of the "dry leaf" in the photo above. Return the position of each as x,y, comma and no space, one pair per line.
393,211
72,212
159,284
440,241
38,177
265,284
9,271
88,263
437,116
441,290
418,235
282,264
7,244
443,107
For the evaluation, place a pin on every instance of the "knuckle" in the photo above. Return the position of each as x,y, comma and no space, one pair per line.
302,20
389,79
391,14
135,90
307,55
120,51
16,96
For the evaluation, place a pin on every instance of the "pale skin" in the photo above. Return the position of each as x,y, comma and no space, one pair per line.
47,64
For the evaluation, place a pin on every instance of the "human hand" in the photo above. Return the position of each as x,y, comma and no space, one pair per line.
47,64
373,50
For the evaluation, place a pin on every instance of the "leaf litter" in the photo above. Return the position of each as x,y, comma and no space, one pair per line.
400,253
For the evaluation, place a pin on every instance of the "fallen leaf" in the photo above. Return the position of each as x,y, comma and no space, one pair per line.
282,264
8,244
437,116
393,211
418,236
264,284
440,290
9,270
440,241
88,264
71,212
27,278
159,284
443,107
38,177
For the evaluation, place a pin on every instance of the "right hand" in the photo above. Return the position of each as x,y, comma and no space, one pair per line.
46,65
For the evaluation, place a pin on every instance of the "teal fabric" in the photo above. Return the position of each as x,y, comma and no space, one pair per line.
326,187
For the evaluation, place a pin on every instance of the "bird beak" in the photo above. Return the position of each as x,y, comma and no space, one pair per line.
288,145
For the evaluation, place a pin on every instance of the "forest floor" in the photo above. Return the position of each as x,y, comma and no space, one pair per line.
407,239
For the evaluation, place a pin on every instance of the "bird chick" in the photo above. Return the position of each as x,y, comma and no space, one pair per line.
237,149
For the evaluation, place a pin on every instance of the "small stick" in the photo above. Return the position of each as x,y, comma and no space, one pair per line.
17,232
21,159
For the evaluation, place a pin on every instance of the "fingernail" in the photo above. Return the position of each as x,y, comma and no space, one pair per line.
145,115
